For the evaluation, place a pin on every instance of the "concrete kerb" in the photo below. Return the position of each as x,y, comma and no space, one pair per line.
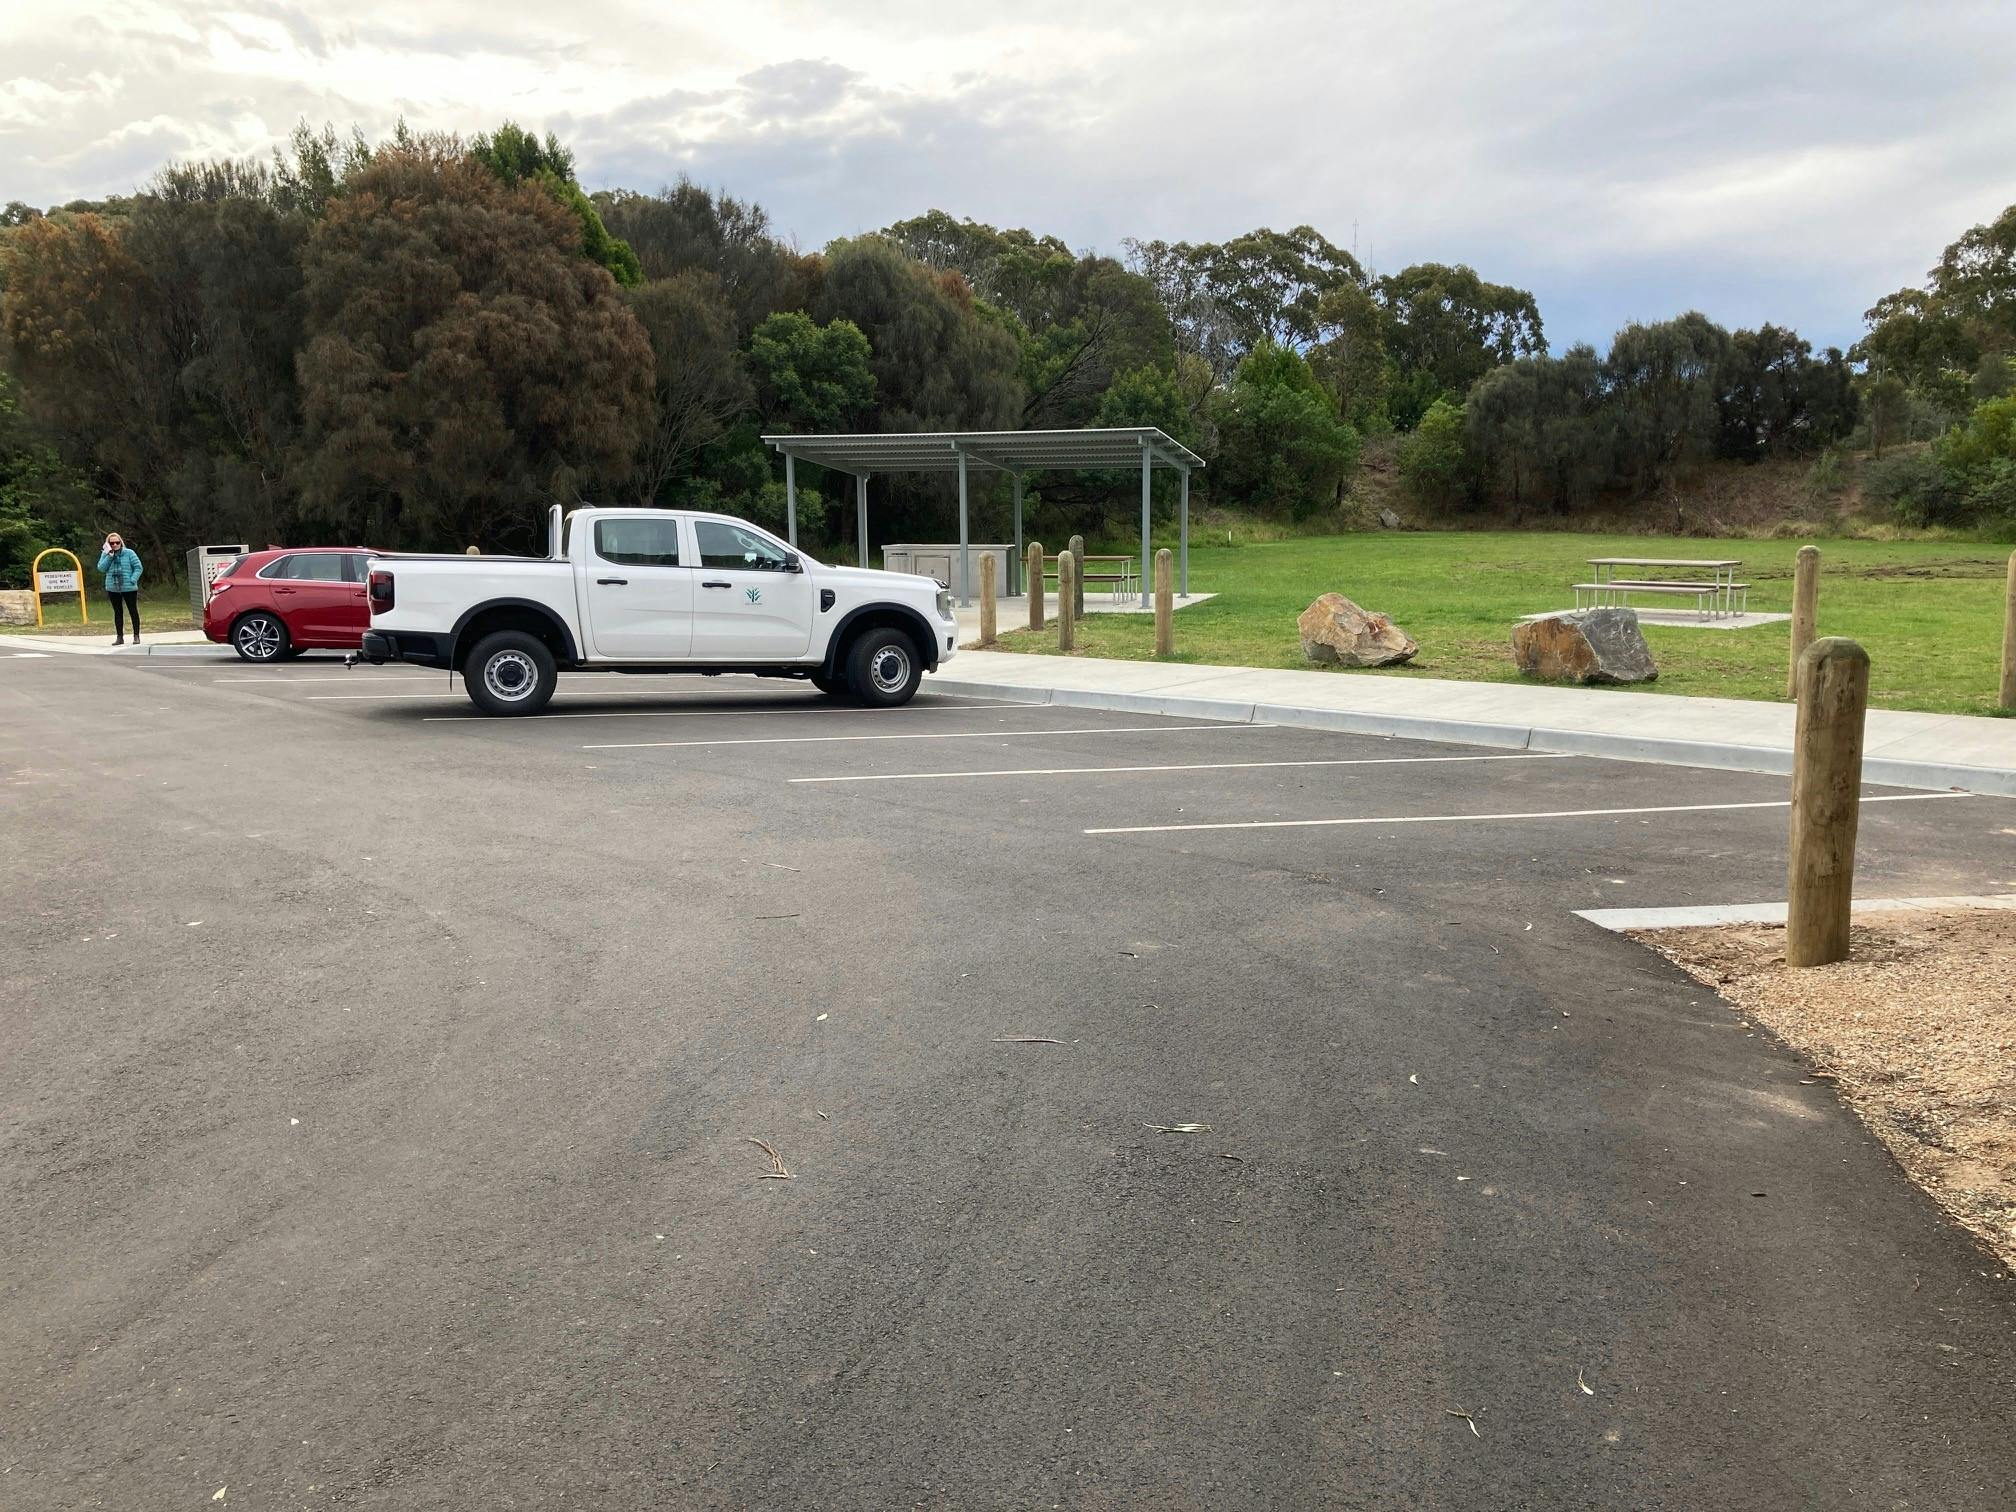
1510,737
1711,755
1988,781
1662,751
1232,711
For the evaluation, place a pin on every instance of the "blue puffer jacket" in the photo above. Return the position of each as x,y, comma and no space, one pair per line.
121,569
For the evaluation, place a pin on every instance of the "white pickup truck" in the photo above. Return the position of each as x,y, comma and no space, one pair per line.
656,590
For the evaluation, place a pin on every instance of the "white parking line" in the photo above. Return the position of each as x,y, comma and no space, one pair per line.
806,706
454,690
645,745
1191,766
585,695
1669,808
437,675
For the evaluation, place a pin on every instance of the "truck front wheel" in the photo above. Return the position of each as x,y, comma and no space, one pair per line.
510,673
883,668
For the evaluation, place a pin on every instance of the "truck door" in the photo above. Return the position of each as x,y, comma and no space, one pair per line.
639,589
750,605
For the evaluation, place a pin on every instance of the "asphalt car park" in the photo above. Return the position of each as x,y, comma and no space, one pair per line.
1169,1113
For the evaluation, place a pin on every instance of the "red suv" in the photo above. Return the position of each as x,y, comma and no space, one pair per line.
273,604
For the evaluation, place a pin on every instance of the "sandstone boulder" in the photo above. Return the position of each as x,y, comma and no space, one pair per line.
1389,519
1586,646
1336,632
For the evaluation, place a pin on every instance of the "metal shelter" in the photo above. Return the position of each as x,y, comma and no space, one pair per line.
1013,452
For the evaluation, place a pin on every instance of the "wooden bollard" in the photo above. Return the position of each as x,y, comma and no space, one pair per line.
1826,800
1067,582
1078,578
1805,612
988,569
2008,699
1035,585
1165,603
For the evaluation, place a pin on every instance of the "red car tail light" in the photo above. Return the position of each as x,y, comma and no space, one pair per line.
381,590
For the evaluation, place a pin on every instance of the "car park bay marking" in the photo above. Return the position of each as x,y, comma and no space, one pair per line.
454,690
804,706
645,745
1188,766
1667,808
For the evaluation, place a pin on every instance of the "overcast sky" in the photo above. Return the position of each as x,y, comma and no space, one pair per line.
1624,160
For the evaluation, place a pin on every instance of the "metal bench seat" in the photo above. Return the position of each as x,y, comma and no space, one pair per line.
1709,598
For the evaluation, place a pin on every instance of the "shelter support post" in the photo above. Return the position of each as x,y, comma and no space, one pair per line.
1147,479
1183,539
790,498
1016,560
861,514
965,555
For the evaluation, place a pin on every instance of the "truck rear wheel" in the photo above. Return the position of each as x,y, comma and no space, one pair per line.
510,673
883,668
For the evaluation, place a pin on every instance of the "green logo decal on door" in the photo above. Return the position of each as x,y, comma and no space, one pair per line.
754,595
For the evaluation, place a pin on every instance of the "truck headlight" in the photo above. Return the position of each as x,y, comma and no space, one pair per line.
944,603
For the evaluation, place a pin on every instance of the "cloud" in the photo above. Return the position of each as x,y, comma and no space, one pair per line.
1621,161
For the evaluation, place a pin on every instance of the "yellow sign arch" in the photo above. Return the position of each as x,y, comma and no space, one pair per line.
59,582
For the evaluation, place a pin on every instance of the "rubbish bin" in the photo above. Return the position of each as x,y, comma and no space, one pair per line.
206,565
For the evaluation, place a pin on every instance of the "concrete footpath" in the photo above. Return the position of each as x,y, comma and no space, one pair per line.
1732,734
177,641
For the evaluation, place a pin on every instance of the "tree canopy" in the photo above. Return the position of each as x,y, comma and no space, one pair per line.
420,342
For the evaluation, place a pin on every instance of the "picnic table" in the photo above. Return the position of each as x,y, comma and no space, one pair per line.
1716,595
1118,576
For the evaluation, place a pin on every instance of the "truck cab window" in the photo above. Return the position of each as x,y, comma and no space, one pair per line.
638,542
724,545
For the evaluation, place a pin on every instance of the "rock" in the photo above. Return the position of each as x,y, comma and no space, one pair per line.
1585,646
1389,519
1337,632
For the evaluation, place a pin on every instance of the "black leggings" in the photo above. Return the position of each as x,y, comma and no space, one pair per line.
130,602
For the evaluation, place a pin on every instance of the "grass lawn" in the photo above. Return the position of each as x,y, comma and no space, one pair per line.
162,608
1929,612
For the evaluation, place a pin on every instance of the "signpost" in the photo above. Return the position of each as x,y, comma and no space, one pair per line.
59,582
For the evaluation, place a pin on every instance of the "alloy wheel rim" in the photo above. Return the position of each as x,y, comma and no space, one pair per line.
259,639
511,676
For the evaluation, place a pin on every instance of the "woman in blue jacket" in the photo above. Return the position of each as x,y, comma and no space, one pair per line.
121,565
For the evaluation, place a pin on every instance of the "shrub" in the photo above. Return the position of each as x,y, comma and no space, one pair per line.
1917,488
1990,433
1282,448
1992,497
1826,476
1433,462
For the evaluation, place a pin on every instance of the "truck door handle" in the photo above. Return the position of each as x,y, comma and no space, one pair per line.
612,582
717,585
